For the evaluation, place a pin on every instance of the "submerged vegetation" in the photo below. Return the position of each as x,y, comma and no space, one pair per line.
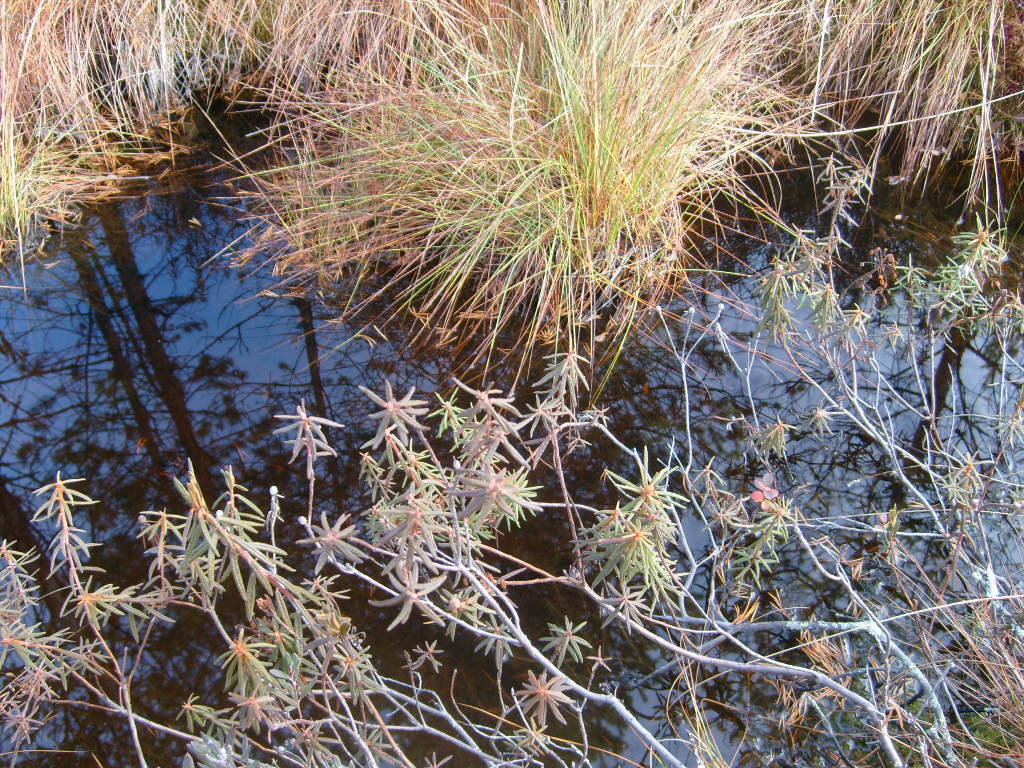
801,517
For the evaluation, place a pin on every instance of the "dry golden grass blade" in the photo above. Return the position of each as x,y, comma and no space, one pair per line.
541,167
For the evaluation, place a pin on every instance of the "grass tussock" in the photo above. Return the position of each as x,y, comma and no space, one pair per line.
121,62
556,163
84,81
928,81
552,162
37,171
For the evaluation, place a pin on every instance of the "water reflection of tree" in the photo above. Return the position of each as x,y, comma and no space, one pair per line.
107,390
132,356
157,361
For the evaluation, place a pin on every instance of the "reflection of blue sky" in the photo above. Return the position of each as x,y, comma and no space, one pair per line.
235,346
207,314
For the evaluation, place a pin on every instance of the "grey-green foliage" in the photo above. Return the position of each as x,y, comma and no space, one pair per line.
630,542
295,650
566,639
295,633
965,286
303,686
963,283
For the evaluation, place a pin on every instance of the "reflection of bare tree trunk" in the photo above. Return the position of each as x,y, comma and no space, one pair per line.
165,372
312,354
948,367
316,383
120,365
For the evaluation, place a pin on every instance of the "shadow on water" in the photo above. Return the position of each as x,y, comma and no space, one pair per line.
134,350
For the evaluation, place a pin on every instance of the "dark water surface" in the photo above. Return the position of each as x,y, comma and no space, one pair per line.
135,348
